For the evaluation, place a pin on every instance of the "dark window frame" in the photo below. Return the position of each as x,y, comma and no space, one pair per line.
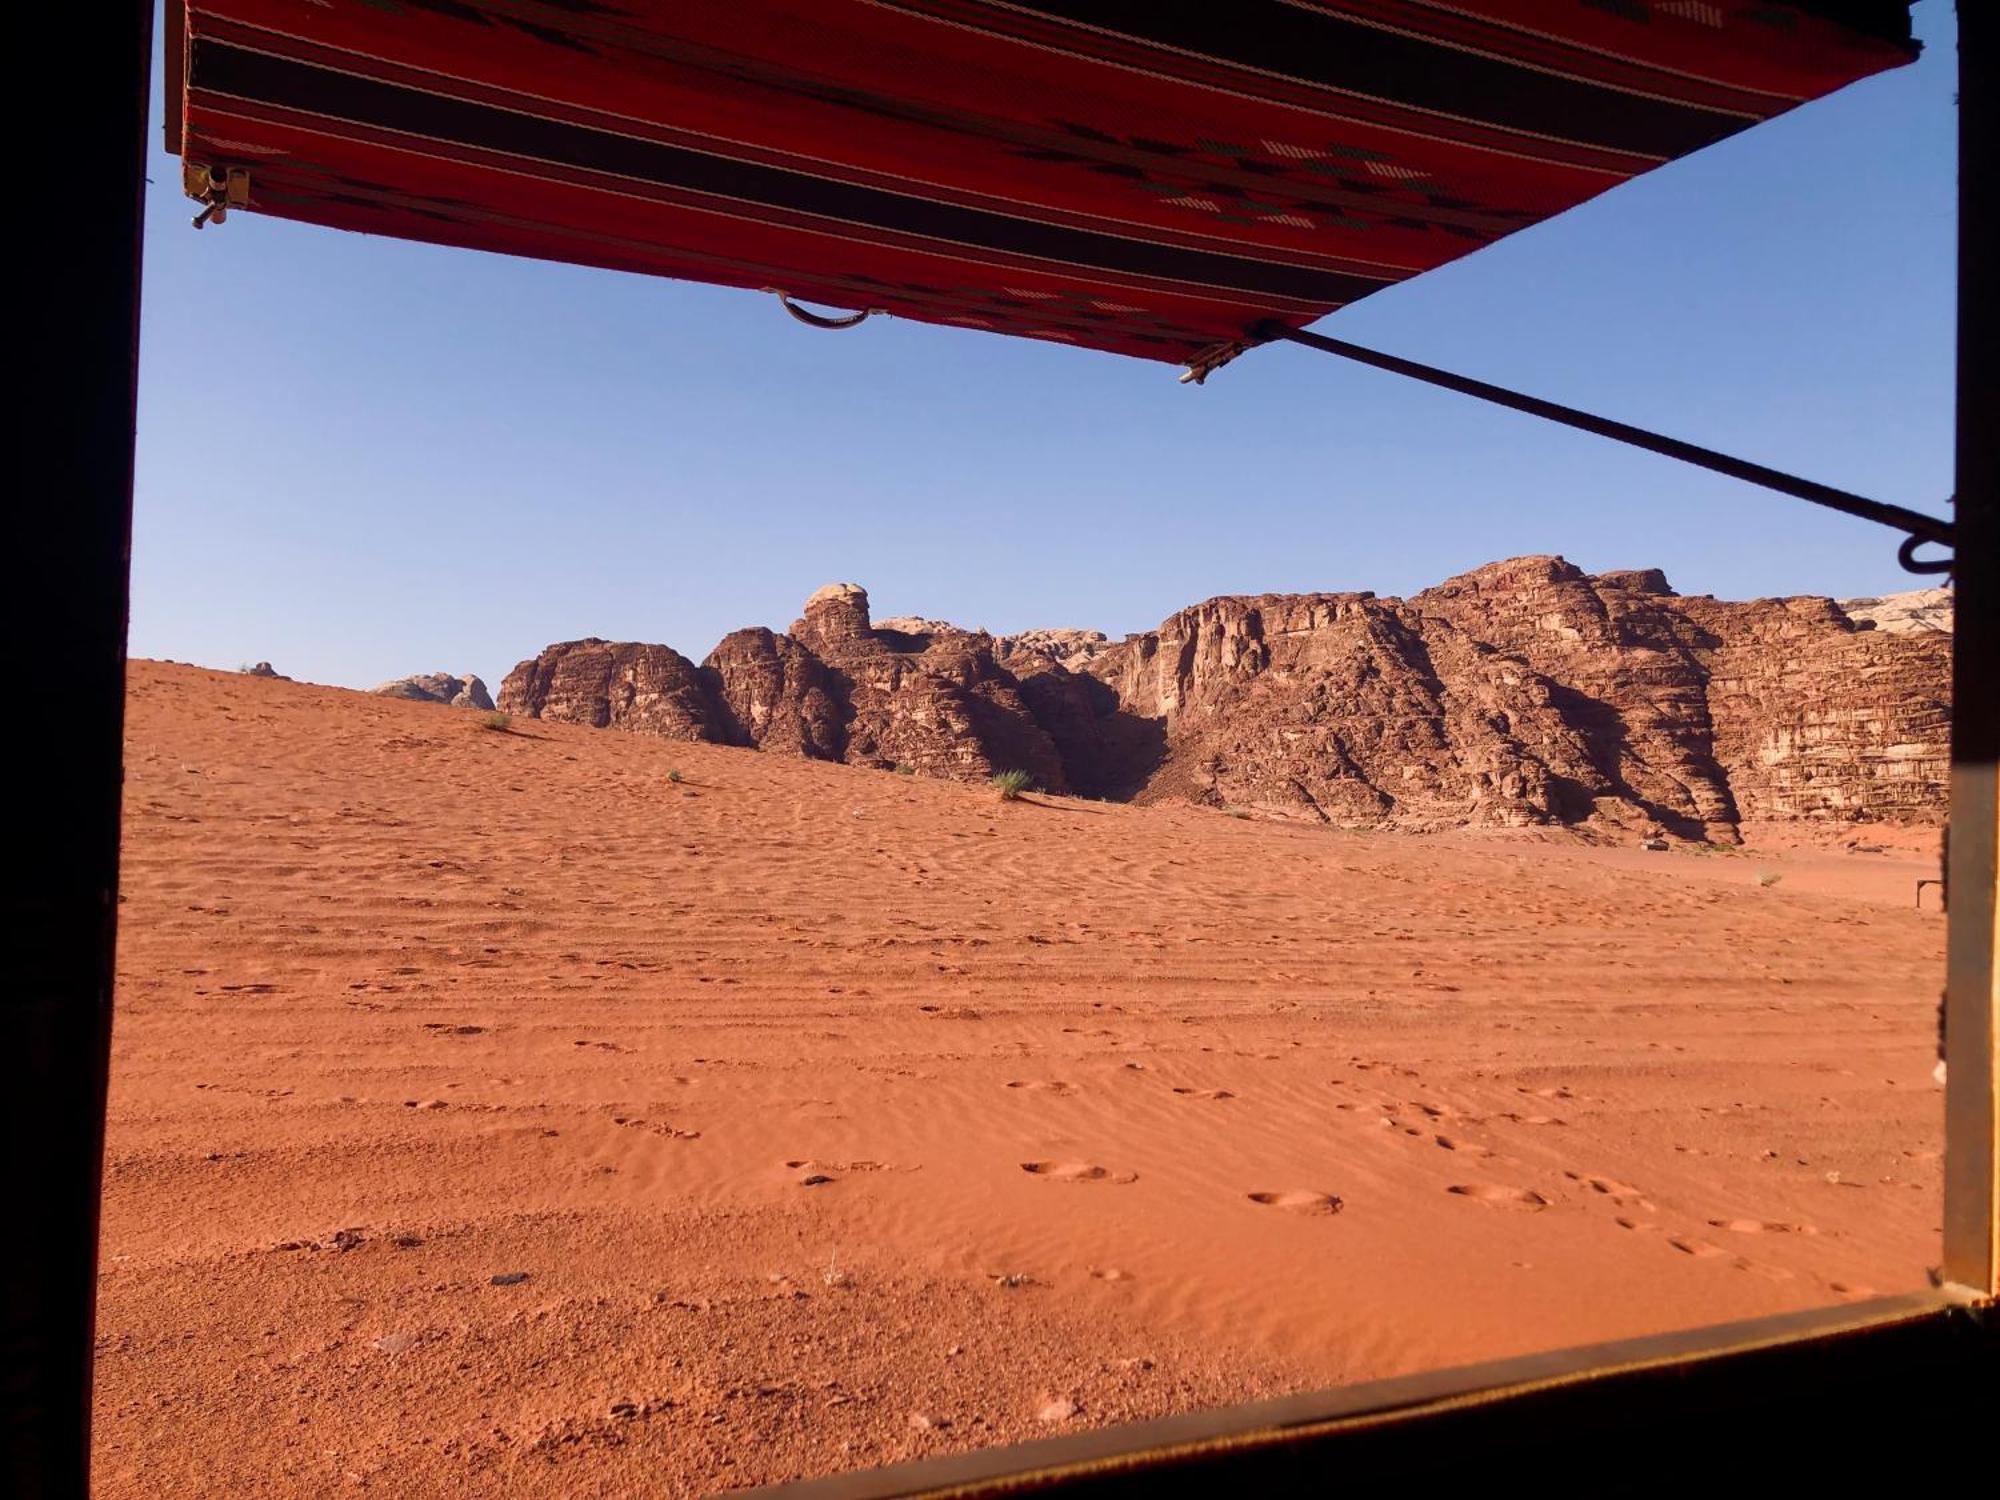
1867,1370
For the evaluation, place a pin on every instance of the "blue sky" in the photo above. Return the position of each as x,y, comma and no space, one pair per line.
360,458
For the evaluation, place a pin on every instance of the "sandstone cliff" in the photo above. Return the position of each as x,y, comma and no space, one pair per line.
1523,693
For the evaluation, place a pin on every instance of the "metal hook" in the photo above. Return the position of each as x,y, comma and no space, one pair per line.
1907,556
821,320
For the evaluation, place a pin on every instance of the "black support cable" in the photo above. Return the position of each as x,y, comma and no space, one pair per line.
1920,527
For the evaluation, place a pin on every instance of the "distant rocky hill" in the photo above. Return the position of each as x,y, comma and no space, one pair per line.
1918,610
439,687
1526,692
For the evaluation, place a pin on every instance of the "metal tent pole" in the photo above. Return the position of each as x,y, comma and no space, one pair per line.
1920,527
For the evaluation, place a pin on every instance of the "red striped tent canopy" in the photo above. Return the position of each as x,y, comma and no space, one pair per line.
1145,176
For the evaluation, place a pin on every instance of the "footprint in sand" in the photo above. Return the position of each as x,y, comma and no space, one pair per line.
1760,1226
837,1166
1500,1195
1077,1171
1611,1187
1621,1193
1206,1093
657,1127
1453,1143
1043,1086
1299,1201
1688,1245
1769,1273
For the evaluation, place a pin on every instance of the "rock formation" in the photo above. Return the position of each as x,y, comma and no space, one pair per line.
1353,710
939,704
834,688
439,687
1063,645
620,684
1918,611
775,694
1623,665
1815,719
1523,693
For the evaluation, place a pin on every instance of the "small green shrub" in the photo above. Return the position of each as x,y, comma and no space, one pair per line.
1010,784
904,768
1236,812
497,722
674,776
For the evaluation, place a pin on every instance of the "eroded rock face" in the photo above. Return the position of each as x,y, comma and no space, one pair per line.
1063,645
935,703
1349,709
1523,693
835,618
777,695
621,683
1068,646
1625,662
1814,719
834,688
439,687
1529,692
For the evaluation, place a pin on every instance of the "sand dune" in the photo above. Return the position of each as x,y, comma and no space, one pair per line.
493,1113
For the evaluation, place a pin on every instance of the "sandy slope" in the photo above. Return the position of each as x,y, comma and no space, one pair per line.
502,1003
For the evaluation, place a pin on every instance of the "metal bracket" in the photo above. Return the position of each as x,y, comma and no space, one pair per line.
218,189
1209,360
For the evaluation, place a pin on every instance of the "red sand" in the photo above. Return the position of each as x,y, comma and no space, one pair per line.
1126,1110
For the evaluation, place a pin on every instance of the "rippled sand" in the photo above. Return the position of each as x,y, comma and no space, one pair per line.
492,1113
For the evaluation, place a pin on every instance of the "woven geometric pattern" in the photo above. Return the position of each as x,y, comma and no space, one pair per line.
1145,176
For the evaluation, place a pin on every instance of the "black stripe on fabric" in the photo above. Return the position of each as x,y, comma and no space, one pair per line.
1887,19
1312,46
222,69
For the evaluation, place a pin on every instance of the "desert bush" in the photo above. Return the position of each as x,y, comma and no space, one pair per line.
1236,812
499,723
1010,784
675,776
1768,878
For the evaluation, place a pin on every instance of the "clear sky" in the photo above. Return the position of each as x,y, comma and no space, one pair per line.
360,458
